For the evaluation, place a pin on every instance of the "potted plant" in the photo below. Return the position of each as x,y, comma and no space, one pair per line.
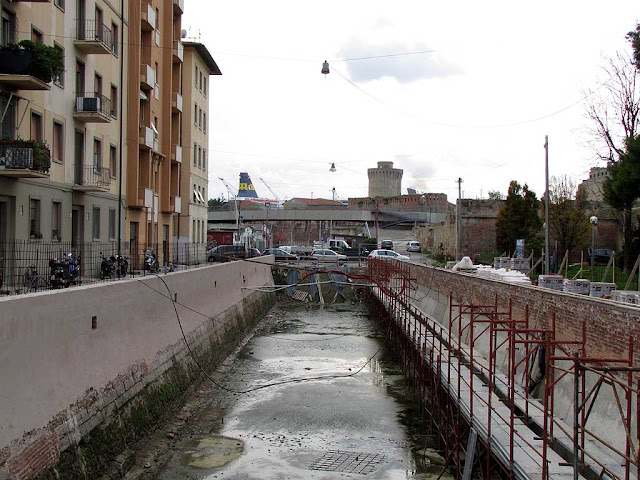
32,58
41,154
36,236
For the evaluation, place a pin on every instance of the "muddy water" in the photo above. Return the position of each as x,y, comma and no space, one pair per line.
310,400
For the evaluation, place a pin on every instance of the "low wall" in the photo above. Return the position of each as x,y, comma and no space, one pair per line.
608,328
70,360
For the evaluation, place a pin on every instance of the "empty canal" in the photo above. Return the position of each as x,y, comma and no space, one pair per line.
313,394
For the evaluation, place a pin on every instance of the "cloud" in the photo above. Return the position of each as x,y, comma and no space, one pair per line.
403,68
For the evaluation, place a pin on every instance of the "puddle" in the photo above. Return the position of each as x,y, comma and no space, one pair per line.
211,451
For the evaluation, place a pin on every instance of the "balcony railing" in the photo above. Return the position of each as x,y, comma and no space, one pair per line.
20,158
92,107
93,36
178,51
93,178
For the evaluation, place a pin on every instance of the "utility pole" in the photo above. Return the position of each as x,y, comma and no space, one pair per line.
458,228
546,205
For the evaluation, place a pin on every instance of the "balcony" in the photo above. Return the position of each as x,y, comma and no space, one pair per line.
175,204
24,159
91,178
176,154
20,71
176,102
178,51
146,138
147,77
145,197
93,37
147,17
178,7
92,108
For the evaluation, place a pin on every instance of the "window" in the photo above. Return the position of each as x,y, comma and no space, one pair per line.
59,4
195,195
58,142
36,126
58,78
112,224
114,101
200,80
96,223
204,88
97,153
113,161
195,154
204,122
196,76
193,231
200,118
8,27
204,159
56,215
9,121
199,157
97,84
195,114
34,218
79,77
114,39
36,35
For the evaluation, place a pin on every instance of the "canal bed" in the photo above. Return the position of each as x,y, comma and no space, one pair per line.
320,399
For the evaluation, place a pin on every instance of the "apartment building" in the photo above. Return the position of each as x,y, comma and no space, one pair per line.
154,131
62,133
198,66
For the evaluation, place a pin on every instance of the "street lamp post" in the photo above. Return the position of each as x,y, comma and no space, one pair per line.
594,223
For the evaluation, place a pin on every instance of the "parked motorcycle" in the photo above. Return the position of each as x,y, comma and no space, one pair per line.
121,265
64,272
151,262
107,269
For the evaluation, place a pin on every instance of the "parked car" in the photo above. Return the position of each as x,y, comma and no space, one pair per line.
388,255
386,244
600,255
326,255
226,253
413,246
280,255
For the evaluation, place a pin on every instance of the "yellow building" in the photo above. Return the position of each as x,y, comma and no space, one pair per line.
198,66
60,154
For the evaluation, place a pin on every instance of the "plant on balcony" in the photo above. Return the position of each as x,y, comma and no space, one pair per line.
41,152
32,58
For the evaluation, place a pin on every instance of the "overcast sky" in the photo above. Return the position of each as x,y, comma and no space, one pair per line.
494,78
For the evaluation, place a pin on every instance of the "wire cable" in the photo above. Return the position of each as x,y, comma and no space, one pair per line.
259,387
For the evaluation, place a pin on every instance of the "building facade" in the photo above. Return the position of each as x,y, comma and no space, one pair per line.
154,109
385,181
198,66
61,135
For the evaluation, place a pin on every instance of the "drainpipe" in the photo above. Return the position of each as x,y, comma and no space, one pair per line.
121,126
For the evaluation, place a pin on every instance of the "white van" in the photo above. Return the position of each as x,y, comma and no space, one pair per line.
413,246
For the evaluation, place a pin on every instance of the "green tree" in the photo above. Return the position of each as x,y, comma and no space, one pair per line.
519,219
568,221
634,38
622,189
216,202
495,195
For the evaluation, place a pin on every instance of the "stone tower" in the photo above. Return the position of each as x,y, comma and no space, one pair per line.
385,181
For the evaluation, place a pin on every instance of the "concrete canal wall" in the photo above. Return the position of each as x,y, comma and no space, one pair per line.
608,328
112,356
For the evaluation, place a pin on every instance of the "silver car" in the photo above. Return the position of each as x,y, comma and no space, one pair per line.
326,255
388,255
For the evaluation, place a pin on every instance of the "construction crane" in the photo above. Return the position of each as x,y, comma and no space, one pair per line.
272,192
229,187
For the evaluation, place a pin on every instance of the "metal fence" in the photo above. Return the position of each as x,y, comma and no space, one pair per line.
24,264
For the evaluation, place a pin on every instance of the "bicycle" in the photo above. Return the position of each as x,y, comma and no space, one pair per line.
32,281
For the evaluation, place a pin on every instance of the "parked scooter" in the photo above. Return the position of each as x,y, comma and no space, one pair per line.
107,269
122,265
151,261
64,272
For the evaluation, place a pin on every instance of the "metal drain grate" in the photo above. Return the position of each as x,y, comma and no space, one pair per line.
348,462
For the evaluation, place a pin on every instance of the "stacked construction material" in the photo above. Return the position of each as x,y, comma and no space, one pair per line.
521,264
626,296
579,285
502,274
554,282
501,262
599,289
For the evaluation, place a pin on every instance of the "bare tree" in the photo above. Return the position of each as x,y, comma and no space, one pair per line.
613,108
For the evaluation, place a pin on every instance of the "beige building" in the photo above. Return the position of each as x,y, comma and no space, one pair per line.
60,172
385,181
155,110
198,66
